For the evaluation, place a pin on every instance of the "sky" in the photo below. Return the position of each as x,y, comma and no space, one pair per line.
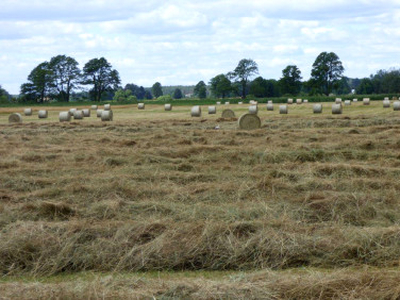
181,42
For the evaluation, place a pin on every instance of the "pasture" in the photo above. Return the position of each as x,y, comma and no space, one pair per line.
159,204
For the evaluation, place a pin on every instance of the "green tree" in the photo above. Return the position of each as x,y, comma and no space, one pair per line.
221,86
65,75
291,80
365,87
200,90
39,83
245,69
99,73
156,89
177,94
326,72
4,95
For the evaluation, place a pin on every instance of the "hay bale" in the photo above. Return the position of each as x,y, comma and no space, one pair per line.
386,103
338,100
253,109
336,109
299,101
228,113
94,107
394,98
355,100
141,105
269,102
72,111
42,114
212,110
107,106
78,115
283,109
86,113
396,105
98,112
305,101
64,116
317,108
270,107
167,107
290,101
366,101
28,111
15,118
107,115
249,121
227,103
218,103
195,111
386,98
347,102
240,103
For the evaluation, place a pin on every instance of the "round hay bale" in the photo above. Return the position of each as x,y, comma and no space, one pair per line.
195,111
336,109
249,121
98,112
42,114
347,102
72,111
386,103
396,105
283,109
107,106
290,101
107,115
64,116
240,103
94,107
28,111
86,113
270,106
338,100
299,101
212,110
15,118
78,115
305,101
317,108
386,98
168,107
228,113
366,101
253,109
141,105
227,103
355,100
269,102
218,103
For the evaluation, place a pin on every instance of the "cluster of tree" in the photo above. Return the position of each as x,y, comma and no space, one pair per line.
57,78
4,95
383,82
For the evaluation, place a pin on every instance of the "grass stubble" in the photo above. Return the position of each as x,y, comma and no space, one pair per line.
305,207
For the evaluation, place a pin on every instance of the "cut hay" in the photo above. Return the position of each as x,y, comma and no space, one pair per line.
72,111
249,121
227,103
107,115
212,110
107,106
283,109
347,102
366,101
218,103
168,107
15,118
269,102
94,107
386,98
305,101
141,105
270,107
338,100
228,113
98,112
253,109
355,100
195,111
64,116
290,101
42,114
337,109
317,108
396,105
240,103
78,115
386,103
299,101
86,113
28,111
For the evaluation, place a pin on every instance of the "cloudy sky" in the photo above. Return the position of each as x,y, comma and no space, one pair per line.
181,42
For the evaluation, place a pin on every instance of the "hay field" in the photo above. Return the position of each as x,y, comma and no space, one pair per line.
159,204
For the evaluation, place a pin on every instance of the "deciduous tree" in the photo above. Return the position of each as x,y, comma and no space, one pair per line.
200,90
221,86
326,72
291,80
156,89
245,69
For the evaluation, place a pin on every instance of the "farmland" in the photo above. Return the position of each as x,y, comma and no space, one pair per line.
159,204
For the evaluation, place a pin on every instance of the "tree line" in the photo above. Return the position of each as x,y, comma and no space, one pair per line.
60,77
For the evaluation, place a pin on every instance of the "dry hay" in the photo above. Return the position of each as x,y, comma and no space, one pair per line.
253,109
15,118
64,116
86,113
386,103
98,112
107,115
78,115
283,109
270,107
249,121
72,111
228,113
396,105
212,110
42,114
366,101
336,109
347,102
107,106
168,107
28,111
93,107
141,105
299,101
290,101
195,111
317,108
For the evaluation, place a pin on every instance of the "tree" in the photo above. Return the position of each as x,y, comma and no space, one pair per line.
365,87
220,85
124,96
177,94
65,75
39,83
326,71
200,90
157,90
99,73
291,80
4,95
245,69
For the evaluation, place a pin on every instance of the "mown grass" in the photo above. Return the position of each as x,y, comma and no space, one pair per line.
157,191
